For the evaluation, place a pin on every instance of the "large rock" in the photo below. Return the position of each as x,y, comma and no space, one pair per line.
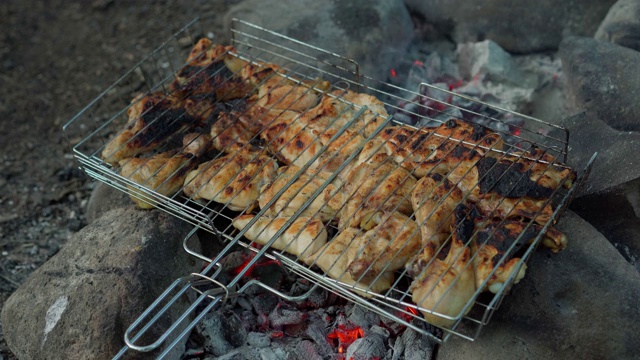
603,78
579,304
622,24
80,302
104,198
617,161
373,33
518,26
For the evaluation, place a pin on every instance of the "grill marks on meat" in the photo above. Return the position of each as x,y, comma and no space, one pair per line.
377,185
302,237
153,121
444,287
233,132
234,179
334,260
297,190
509,179
164,173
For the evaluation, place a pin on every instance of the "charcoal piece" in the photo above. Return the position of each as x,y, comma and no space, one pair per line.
258,339
222,332
317,332
363,317
307,350
264,303
417,346
509,180
368,347
284,315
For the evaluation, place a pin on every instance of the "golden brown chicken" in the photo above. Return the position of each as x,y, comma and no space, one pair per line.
336,110
302,237
233,132
196,144
434,200
163,173
299,187
444,289
376,185
233,179
154,120
333,259
386,243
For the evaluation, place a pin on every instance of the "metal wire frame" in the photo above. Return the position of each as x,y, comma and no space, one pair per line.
202,216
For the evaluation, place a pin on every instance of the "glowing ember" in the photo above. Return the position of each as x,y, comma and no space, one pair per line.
394,73
260,263
346,334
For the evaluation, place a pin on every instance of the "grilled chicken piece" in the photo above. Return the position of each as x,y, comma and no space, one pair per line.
376,185
163,173
434,200
333,259
445,287
439,150
154,120
206,76
297,144
492,249
274,95
196,144
297,193
303,237
336,110
233,132
234,179
291,142
387,242
543,168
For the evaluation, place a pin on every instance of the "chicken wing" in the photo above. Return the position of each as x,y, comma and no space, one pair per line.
297,193
434,200
303,237
233,132
376,185
386,243
234,179
444,288
163,173
154,120
333,259
336,110
206,74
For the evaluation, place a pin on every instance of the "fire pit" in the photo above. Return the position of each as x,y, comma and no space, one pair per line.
511,146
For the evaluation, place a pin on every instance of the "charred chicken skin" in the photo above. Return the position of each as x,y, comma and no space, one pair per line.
154,120
443,288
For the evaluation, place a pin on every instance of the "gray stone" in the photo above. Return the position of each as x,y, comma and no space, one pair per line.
603,78
617,161
616,216
373,33
622,24
79,303
581,303
104,198
518,26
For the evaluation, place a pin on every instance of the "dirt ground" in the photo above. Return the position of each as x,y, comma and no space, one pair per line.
55,57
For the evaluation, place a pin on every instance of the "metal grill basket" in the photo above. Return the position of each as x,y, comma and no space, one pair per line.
527,141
